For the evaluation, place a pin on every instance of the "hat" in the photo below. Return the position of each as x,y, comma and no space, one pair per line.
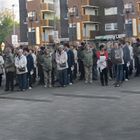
20,51
61,47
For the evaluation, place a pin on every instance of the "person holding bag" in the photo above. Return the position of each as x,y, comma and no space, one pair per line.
62,65
21,70
9,69
102,56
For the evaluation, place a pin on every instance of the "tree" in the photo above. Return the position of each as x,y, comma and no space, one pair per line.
6,24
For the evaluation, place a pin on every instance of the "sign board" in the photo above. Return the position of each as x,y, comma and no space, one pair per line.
14,40
23,43
55,36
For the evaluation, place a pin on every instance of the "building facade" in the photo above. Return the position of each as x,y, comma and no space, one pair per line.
95,19
37,21
41,15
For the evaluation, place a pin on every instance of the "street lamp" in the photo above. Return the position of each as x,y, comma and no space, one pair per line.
13,7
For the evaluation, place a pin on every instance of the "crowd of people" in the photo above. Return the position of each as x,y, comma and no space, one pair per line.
65,63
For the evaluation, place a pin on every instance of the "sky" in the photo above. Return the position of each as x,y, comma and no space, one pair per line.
8,4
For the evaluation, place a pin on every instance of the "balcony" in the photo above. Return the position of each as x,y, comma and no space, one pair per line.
89,4
47,7
90,19
47,23
92,35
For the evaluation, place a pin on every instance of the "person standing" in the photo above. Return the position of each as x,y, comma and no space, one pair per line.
94,69
70,55
102,56
32,52
126,57
117,60
80,62
30,67
21,70
136,46
88,63
131,58
47,68
62,65
9,69
1,68
75,71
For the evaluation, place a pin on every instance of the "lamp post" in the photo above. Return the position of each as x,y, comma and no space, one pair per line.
13,8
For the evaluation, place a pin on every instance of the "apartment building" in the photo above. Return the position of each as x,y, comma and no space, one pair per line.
40,21
94,19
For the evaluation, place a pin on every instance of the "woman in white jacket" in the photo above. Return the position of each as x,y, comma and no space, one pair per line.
62,65
1,68
21,70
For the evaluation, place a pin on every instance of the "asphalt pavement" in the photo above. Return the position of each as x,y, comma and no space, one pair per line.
77,112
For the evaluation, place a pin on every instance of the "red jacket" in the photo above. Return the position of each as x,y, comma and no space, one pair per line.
105,54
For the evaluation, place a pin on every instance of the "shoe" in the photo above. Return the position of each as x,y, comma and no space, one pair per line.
45,86
117,85
103,85
6,89
50,86
106,84
91,82
12,90
86,82
70,84
30,88
23,90
126,80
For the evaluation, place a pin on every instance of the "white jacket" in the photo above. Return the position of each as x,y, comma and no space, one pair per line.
1,60
60,59
101,63
21,62
1,64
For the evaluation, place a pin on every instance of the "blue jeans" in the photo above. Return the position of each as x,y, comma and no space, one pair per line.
119,75
63,77
22,78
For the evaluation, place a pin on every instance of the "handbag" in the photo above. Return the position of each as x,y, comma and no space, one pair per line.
63,65
23,69
118,61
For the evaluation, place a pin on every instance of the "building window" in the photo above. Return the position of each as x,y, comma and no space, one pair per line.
32,14
72,25
97,27
111,26
111,11
129,7
47,1
31,29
